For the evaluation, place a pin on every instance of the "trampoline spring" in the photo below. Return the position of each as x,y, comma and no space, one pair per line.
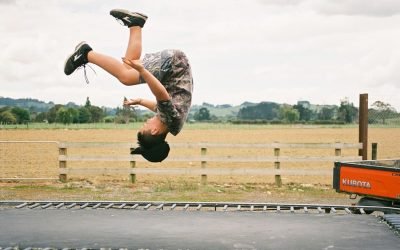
84,205
71,205
47,205
173,206
238,208
134,206
109,205
186,207
147,206
96,206
34,205
198,207
278,209
305,209
347,210
319,210
122,206
22,205
395,224
160,206
59,205
292,209
225,207
391,216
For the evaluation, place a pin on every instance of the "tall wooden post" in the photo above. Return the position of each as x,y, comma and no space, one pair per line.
363,126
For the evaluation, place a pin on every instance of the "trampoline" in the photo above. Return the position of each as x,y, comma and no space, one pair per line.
194,225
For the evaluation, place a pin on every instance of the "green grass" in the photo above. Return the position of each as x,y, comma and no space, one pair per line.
176,185
173,190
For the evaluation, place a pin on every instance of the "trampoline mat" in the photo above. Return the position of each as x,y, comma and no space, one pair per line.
138,229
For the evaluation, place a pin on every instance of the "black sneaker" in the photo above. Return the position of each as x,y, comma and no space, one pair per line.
78,58
128,18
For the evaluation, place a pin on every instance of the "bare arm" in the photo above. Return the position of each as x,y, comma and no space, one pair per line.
154,84
150,104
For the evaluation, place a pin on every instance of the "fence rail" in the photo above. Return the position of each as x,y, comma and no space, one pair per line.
195,171
203,158
209,158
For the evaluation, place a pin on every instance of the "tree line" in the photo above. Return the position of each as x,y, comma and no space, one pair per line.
264,112
274,113
66,115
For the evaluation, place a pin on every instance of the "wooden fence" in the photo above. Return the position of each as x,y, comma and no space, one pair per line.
203,158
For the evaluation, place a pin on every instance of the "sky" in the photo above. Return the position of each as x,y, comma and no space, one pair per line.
282,51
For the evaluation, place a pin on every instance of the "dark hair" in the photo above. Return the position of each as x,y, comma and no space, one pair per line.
153,148
149,140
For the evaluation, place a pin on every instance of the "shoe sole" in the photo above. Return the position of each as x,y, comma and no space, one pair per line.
77,47
129,13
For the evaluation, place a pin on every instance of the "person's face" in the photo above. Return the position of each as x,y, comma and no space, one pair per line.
153,126
149,126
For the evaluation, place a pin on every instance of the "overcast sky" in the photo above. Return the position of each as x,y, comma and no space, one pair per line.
245,50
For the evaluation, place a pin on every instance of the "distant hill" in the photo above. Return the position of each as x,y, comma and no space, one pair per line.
26,103
221,110
34,105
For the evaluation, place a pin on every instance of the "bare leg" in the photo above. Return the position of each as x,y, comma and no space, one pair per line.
114,67
134,50
123,72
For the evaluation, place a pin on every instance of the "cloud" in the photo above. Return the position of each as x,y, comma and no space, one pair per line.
320,50
282,2
381,8
5,2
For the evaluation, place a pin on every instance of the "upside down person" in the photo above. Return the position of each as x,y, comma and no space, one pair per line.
167,73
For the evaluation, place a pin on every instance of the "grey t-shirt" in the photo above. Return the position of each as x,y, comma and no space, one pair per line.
172,69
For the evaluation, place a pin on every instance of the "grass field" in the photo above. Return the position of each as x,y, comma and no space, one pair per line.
41,160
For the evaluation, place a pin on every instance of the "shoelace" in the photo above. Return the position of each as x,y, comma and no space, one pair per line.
84,71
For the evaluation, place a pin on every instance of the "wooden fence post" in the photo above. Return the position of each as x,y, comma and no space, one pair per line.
374,153
62,151
133,165
277,164
363,126
338,151
203,166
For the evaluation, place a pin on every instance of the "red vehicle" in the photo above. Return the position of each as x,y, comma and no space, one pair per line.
378,182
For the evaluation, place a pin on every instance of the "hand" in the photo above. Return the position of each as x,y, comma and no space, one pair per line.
136,64
132,102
